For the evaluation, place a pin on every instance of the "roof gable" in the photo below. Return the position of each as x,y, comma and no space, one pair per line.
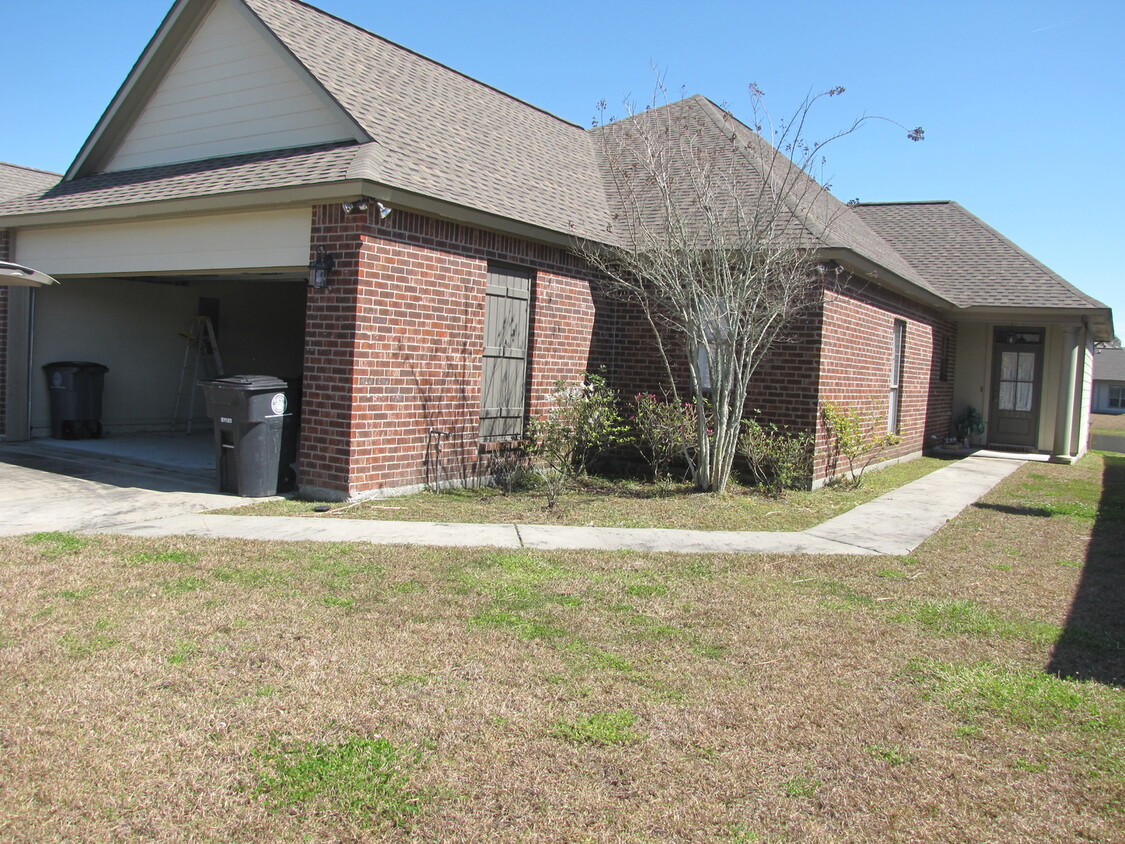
213,82
444,134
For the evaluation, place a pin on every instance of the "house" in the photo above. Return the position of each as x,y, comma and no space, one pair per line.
256,137
1109,381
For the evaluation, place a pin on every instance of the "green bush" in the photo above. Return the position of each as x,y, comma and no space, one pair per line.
857,438
582,421
779,459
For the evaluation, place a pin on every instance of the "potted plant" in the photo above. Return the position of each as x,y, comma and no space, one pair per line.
968,423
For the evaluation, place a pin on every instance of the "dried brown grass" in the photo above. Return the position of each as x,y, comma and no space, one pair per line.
776,696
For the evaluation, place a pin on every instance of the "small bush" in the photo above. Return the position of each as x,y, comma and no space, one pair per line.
582,421
778,458
663,431
511,472
857,438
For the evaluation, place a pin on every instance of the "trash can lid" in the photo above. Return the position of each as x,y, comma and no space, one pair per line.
248,382
76,364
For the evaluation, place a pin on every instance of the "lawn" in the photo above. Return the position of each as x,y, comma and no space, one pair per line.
1107,423
196,690
619,504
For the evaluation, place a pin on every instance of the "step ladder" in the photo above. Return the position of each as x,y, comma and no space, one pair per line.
201,363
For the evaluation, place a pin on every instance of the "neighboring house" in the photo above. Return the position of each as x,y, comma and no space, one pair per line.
1109,381
253,136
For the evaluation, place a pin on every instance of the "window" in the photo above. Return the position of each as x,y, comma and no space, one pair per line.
1017,381
1117,398
504,371
894,381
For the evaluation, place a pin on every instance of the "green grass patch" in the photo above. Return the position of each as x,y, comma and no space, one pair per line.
365,780
55,544
1030,699
601,728
967,618
801,786
182,585
520,625
891,754
183,558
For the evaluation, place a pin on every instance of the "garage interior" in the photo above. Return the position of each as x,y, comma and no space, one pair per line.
146,330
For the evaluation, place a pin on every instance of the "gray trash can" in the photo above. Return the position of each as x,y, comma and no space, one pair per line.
75,390
255,440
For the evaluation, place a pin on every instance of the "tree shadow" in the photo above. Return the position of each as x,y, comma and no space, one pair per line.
1040,512
1092,645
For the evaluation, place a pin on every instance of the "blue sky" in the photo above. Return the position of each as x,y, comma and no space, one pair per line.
1020,99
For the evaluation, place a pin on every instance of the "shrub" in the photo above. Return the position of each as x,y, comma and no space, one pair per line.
580,423
663,431
859,441
779,459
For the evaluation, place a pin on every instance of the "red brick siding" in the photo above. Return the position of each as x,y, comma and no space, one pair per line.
856,359
394,346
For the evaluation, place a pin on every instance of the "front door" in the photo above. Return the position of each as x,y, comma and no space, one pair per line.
1017,361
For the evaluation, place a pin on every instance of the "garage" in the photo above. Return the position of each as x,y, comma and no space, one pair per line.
145,300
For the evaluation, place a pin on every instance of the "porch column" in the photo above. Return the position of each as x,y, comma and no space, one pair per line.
1068,390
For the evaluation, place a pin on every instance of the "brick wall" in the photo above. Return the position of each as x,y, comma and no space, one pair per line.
856,361
394,346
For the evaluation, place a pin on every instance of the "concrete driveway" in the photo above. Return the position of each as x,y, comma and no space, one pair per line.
42,489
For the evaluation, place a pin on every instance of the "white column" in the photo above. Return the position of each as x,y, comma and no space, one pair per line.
1068,392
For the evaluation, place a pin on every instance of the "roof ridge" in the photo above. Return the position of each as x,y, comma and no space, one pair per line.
423,57
30,169
909,202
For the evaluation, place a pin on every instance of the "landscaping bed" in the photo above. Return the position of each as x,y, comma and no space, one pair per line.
600,502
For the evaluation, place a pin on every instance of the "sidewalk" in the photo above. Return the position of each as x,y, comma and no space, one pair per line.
895,523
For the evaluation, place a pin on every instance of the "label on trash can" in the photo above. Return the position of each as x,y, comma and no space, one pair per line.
226,420
278,404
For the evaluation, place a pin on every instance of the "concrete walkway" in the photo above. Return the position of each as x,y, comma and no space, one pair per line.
45,493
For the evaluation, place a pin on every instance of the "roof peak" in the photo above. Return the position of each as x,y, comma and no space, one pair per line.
428,59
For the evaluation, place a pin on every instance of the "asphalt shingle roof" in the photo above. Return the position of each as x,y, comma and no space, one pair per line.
446,135
233,174
1109,365
806,212
967,261
440,134
18,181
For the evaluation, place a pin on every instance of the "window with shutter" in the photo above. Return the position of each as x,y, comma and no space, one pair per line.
506,313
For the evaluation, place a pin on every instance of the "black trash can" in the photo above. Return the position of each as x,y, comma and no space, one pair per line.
255,439
75,390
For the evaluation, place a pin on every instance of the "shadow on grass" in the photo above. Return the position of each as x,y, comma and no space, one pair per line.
1040,512
1092,645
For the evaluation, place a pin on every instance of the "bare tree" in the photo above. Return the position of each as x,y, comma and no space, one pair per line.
716,237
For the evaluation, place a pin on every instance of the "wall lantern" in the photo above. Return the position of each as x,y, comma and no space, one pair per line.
320,268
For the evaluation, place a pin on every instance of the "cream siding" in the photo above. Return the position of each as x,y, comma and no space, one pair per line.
231,91
258,240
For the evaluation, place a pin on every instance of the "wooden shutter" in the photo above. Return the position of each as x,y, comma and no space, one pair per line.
507,306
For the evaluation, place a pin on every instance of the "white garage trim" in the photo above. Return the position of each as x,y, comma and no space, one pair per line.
257,240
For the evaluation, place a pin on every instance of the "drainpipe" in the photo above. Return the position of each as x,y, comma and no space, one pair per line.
1064,430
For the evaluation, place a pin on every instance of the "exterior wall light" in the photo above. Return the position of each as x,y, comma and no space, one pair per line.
320,268
359,206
